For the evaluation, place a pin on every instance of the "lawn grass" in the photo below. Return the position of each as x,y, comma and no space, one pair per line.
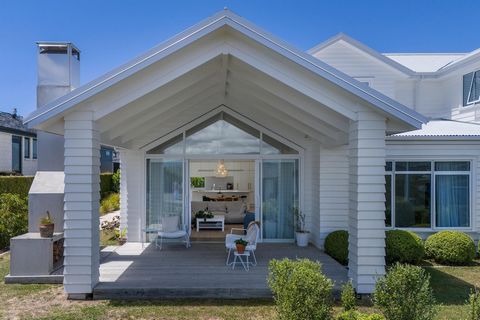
451,286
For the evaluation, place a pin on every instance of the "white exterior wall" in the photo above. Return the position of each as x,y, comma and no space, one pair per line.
6,152
82,197
311,186
436,97
365,68
132,198
444,150
366,232
334,190
29,166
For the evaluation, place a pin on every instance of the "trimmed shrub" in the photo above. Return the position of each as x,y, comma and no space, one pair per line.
348,297
116,182
474,305
16,185
110,203
405,294
336,246
355,315
106,184
301,291
404,247
450,247
13,217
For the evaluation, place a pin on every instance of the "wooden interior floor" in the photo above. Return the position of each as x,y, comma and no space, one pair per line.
212,235
133,272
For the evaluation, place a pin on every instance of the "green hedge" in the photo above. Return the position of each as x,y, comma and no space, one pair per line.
13,217
450,247
106,184
404,247
21,185
336,246
16,185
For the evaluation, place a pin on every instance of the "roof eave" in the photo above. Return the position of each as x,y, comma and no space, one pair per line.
221,19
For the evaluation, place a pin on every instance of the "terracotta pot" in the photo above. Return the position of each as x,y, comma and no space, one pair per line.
240,248
46,230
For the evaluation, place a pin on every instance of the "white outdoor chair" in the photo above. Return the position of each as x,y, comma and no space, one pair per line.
252,236
171,229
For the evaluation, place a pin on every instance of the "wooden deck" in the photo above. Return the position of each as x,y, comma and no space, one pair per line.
130,272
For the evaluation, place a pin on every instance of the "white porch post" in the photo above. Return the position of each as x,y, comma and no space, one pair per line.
367,201
132,194
82,195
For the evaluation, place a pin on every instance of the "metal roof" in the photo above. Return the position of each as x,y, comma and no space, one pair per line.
221,19
442,129
424,62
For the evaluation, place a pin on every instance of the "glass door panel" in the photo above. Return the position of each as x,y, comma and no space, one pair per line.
165,195
280,194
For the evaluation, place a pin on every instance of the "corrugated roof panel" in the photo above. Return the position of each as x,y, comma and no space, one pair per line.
444,128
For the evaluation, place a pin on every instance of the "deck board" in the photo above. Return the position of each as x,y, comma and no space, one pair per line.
198,272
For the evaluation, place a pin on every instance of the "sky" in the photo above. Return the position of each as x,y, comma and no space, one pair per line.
112,32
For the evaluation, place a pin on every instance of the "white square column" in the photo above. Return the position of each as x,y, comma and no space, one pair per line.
366,250
132,197
81,204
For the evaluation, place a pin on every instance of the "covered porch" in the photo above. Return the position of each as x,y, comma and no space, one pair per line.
133,271
221,67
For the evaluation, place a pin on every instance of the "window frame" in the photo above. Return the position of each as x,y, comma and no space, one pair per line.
34,150
433,173
468,103
27,147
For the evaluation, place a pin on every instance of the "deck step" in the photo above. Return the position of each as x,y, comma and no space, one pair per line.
104,291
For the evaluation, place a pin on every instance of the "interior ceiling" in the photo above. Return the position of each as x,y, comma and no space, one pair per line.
226,81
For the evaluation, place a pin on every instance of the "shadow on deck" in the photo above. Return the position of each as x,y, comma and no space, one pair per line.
130,272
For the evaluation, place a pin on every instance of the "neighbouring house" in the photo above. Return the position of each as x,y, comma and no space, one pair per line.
18,145
227,116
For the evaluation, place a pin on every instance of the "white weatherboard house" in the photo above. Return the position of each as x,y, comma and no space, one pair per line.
355,139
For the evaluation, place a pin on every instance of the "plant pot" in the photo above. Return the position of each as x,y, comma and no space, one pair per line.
121,241
302,238
46,230
240,248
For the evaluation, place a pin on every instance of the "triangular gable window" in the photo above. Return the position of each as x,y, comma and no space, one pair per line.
222,134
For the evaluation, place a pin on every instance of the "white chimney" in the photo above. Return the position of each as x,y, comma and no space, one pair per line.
58,66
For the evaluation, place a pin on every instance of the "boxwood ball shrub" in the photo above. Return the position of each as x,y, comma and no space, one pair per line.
404,247
405,294
450,247
336,246
300,289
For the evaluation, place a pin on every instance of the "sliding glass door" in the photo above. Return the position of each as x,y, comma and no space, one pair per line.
165,191
280,195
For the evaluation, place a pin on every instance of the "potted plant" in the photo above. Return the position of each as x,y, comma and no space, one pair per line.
121,236
46,226
300,233
241,245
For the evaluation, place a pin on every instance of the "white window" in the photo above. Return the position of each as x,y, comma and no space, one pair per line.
471,88
428,194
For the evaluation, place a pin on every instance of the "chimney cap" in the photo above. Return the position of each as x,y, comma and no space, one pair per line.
56,46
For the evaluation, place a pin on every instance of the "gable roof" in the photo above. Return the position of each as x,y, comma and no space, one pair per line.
359,45
13,123
412,64
219,20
